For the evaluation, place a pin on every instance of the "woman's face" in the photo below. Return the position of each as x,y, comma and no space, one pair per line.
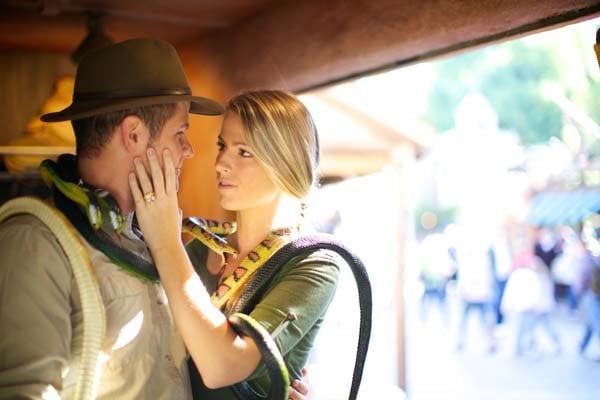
242,182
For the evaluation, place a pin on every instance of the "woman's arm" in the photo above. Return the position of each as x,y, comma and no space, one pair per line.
220,354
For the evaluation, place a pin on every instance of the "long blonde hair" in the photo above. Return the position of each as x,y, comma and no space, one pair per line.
281,131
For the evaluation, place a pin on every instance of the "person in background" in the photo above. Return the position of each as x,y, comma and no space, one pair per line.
502,264
591,310
571,269
436,270
529,294
547,246
475,283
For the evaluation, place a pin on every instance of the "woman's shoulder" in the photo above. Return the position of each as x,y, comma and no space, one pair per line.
319,264
320,256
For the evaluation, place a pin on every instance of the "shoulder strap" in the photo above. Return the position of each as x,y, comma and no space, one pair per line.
303,245
94,319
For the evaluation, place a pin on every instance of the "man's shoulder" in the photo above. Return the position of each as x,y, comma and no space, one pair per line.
28,222
24,223
25,239
32,257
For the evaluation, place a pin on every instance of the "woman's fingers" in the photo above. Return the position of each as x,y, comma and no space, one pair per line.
142,176
299,390
138,198
158,181
170,174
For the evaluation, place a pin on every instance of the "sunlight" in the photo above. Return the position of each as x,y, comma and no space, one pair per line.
130,331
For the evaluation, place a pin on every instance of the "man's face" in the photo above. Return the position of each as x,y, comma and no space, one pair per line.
173,137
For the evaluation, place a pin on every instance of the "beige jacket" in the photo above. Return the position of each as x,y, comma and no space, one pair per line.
40,320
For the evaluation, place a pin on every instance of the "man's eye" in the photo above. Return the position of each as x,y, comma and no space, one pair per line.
220,145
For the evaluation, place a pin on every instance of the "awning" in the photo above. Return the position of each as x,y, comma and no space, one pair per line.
564,207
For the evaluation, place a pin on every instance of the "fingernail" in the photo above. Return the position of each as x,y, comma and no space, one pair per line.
150,151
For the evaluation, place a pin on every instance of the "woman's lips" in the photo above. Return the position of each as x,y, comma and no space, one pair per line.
226,185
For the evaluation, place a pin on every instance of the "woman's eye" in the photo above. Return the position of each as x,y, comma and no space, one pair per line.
220,145
245,153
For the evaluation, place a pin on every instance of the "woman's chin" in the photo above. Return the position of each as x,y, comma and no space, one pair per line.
227,205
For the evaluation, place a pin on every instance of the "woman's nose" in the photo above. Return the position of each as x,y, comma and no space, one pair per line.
222,164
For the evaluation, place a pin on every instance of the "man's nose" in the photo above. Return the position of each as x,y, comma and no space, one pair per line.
187,148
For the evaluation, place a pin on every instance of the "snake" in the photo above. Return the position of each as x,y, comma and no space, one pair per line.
92,307
87,209
274,255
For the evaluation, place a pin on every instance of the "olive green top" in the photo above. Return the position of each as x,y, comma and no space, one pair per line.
304,286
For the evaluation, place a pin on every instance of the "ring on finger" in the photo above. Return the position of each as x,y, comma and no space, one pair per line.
149,197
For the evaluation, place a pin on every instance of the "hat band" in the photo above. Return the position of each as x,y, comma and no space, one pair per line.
124,94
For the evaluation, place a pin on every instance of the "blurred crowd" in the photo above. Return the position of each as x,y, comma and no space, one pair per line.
522,274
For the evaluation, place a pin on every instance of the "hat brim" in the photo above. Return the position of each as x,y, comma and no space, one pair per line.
84,109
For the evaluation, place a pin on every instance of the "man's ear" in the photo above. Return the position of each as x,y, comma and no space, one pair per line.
133,134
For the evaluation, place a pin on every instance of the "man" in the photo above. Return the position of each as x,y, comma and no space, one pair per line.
128,97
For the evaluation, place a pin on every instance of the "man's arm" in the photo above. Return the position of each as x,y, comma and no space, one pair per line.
35,308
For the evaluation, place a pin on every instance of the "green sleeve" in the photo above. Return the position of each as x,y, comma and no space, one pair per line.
304,287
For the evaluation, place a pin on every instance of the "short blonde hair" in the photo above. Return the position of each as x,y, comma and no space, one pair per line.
282,134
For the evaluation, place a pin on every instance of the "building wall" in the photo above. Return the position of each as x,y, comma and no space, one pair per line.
198,192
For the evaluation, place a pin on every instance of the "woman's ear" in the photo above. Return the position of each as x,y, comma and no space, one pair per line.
134,134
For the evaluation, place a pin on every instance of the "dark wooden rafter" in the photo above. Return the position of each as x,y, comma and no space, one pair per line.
297,45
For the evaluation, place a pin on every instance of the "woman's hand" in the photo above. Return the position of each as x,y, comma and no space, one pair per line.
156,205
300,387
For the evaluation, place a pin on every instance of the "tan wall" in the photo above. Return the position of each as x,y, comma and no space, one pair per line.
198,194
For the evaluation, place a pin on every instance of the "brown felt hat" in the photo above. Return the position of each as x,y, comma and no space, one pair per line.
133,73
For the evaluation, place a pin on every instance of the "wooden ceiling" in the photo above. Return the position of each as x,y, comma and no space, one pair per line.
60,25
293,44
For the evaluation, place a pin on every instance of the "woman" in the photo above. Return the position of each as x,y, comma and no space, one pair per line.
265,167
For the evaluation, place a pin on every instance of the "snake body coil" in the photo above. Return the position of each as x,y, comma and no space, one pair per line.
94,320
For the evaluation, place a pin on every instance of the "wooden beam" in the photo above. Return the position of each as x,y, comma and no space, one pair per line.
380,130
306,44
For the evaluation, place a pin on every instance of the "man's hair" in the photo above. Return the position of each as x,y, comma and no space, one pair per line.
92,133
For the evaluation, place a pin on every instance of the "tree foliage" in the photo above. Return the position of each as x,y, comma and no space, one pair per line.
512,76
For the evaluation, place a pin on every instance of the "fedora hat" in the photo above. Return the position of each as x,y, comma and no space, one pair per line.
133,73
